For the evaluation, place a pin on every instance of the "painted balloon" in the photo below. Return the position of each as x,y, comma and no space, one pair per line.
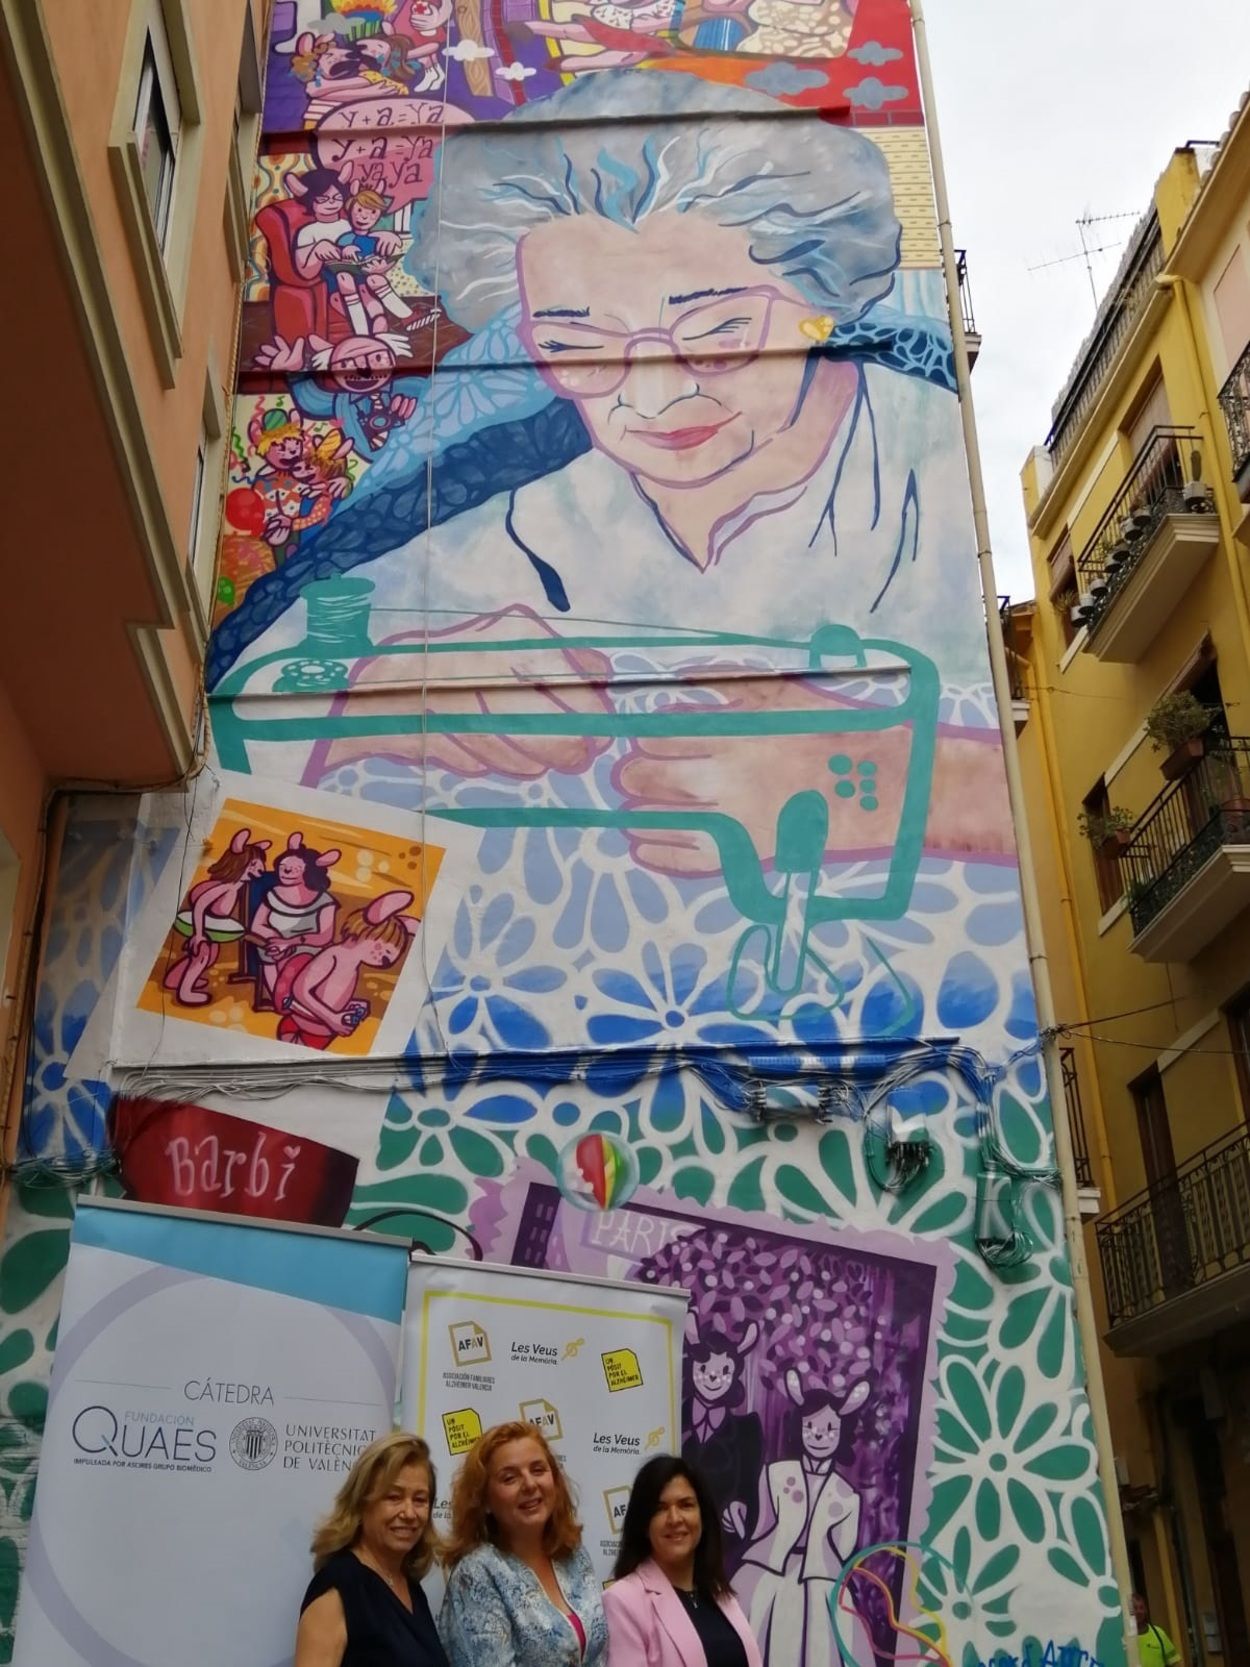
245,509
598,1172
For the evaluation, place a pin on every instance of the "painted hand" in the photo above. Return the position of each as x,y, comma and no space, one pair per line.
466,675
282,355
276,530
860,776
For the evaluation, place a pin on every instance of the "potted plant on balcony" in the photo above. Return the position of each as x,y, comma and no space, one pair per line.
1224,787
1135,522
1177,725
1109,833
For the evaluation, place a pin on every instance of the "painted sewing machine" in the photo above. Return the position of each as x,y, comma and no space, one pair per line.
782,894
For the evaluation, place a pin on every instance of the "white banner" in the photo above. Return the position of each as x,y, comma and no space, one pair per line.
212,1383
595,1363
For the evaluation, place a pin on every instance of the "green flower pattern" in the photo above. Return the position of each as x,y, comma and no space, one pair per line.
1014,1506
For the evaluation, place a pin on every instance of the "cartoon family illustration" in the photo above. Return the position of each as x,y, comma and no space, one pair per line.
298,479
790,1527
339,71
305,964
807,1533
405,54
617,34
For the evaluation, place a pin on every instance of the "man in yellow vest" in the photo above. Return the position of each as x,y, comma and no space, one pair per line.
1154,1647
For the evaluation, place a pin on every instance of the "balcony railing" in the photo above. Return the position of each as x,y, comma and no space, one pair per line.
1076,1117
1165,479
1119,313
1016,662
1186,824
1235,404
965,294
1180,1234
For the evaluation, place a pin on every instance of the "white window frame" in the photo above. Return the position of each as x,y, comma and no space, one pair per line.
207,497
10,875
242,161
156,81
159,30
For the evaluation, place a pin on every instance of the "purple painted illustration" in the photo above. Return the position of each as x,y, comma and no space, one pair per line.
805,1394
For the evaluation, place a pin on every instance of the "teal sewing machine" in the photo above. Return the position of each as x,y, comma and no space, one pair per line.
782,900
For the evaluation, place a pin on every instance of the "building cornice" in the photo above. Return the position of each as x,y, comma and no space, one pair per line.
1047,515
1220,201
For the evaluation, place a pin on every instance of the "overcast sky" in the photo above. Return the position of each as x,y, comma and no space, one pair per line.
1049,112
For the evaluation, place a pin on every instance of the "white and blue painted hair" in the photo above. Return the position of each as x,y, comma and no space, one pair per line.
814,199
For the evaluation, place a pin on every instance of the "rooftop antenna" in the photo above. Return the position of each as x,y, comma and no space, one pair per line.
1085,221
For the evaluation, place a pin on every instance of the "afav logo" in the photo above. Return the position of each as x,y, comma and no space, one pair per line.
545,1416
470,1346
615,1501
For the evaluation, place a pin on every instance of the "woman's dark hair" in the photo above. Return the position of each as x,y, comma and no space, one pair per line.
317,181
644,1501
316,879
701,1351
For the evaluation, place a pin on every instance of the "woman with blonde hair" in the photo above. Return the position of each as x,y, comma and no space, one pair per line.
364,1606
521,1591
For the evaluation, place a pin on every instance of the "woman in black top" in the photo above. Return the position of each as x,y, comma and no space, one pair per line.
670,1604
364,1606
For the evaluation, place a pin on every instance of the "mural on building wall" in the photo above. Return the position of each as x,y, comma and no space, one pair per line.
277,937
597,522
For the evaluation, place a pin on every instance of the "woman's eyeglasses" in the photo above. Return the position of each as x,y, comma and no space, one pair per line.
710,339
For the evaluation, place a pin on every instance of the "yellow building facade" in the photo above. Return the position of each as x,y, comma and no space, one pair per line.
1133,678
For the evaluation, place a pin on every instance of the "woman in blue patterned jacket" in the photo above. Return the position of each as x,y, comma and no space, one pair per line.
521,1591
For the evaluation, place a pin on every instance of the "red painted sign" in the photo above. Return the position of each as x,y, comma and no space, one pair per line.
172,1152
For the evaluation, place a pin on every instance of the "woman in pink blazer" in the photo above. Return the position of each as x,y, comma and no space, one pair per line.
670,1604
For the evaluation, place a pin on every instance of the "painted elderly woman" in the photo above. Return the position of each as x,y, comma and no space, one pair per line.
686,404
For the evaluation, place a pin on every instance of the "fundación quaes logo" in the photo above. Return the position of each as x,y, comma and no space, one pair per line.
142,1440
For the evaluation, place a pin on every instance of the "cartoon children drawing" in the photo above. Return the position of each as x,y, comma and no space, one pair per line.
626,32
298,479
359,393
360,276
316,995
209,916
808,1531
337,72
297,914
726,1445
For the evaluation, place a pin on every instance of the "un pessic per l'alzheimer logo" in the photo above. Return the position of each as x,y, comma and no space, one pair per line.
621,1369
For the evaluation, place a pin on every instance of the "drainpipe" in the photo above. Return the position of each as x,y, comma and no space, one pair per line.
1094,1108
1086,1323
